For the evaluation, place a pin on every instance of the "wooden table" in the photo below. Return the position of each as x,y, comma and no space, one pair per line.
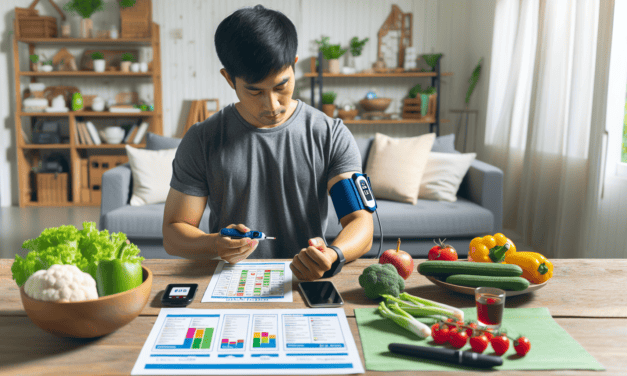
586,297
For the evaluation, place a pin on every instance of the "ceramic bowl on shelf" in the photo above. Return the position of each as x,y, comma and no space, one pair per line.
89,318
113,135
375,104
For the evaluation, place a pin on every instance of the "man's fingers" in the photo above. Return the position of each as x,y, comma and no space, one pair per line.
308,268
298,268
317,243
318,257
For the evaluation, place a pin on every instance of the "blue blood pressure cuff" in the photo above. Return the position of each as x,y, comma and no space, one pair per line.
350,195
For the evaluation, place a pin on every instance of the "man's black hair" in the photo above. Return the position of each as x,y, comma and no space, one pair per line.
254,42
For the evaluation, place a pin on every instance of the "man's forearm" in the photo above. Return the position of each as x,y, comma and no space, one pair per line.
355,239
185,240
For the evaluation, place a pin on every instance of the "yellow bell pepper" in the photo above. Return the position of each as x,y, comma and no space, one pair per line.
536,268
490,248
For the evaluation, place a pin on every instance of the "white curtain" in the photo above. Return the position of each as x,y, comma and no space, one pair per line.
538,117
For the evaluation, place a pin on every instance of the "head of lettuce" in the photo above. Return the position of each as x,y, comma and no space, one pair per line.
111,260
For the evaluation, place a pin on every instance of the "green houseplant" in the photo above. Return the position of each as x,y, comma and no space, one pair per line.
331,52
432,60
127,60
99,62
328,100
424,95
85,9
34,59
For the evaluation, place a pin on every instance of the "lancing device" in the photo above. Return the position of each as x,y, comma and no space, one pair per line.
233,233
467,358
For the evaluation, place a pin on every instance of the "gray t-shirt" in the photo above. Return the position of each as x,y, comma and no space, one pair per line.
272,180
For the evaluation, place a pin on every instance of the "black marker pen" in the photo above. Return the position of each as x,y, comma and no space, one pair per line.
467,358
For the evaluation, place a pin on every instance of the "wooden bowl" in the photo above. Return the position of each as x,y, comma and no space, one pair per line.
89,318
347,115
375,104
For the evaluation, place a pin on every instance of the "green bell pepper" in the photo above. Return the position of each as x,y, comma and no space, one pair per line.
118,275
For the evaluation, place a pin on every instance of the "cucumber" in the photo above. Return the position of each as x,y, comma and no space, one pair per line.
504,283
446,268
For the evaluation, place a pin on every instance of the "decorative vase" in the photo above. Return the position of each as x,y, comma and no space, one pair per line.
66,30
125,66
143,67
334,66
113,33
77,102
135,67
87,28
424,104
46,68
99,65
328,109
36,66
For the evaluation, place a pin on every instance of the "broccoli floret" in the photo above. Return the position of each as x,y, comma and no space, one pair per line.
379,279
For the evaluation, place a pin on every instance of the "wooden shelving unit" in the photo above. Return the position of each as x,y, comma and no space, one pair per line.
434,122
77,151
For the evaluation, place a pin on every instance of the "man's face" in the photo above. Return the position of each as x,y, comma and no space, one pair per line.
267,103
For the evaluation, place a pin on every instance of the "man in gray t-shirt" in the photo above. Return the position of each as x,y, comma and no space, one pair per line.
265,163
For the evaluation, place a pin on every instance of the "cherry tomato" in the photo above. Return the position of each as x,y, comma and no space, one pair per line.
500,344
479,343
440,336
522,346
458,339
469,331
442,252
489,334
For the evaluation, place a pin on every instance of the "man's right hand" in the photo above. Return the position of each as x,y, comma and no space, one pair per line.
235,250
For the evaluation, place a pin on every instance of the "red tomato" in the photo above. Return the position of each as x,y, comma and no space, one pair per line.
472,325
442,252
440,336
500,344
479,343
458,339
489,334
522,346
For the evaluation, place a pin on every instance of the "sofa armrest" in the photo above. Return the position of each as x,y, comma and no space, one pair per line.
116,190
483,185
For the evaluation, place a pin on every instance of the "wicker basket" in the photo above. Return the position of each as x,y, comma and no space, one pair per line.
29,24
375,104
411,107
52,188
136,21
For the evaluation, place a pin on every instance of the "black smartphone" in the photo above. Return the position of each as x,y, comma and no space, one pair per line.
321,294
179,294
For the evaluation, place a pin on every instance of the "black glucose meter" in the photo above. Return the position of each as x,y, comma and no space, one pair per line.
179,294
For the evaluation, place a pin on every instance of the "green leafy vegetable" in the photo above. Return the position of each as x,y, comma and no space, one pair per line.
67,245
381,279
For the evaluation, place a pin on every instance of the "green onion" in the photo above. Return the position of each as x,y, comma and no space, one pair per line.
457,313
405,320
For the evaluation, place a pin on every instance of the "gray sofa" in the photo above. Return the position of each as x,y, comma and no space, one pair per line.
477,211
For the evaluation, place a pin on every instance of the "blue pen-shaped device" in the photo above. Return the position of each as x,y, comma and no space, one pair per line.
233,233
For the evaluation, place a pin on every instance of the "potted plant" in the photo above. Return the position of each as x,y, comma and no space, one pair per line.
85,8
46,66
127,59
331,52
99,61
432,60
36,64
417,105
328,99
356,46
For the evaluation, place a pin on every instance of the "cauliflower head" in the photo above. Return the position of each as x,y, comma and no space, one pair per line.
378,279
61,283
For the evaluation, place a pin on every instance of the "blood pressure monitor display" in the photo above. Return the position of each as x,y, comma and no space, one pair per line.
179,294
364,188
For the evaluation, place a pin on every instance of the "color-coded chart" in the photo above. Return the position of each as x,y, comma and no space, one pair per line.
187,332
232,344
199,338
264,340
250,281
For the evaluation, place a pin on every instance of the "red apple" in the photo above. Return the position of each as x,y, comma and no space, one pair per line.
401,260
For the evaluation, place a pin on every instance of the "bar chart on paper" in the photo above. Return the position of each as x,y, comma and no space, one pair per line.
250,282
264,332
187,333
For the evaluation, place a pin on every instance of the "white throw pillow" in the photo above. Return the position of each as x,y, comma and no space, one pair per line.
152,171
395,166
443,175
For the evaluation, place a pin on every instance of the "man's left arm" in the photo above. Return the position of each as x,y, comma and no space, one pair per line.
354,240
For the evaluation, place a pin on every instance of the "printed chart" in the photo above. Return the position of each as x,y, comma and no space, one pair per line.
250,282
186,341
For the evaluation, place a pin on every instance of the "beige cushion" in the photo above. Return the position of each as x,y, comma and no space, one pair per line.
443,175
152,171
395,166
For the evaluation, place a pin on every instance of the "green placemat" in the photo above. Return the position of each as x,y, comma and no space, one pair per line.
551,346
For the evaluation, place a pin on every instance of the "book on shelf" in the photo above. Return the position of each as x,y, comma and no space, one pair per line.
79,136
93,132
129,132
141,131
83,129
